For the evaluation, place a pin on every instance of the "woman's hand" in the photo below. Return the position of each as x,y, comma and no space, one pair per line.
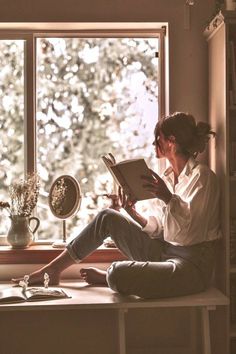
128,205
121,201
115,201
126,202
157,187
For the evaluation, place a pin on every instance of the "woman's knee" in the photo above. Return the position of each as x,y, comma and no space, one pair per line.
111,220
118,276
108,214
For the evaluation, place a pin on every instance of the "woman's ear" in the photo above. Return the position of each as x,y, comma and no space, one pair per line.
172,144
172,139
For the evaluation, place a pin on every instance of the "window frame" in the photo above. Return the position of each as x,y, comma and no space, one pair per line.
30,32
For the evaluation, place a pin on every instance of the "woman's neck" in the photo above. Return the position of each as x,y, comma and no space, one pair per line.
178,162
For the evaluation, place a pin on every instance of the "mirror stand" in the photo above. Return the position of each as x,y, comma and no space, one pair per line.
64,202
61,243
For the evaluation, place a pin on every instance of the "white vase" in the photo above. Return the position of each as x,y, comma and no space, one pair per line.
20,234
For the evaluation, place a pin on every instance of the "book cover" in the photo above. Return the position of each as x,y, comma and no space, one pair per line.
127,174
18,294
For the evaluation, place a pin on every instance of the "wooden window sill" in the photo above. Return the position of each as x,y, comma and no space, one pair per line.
43,254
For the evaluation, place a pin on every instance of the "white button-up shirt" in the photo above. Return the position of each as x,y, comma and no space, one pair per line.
192,215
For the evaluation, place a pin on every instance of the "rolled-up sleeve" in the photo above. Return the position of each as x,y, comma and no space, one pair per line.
153,227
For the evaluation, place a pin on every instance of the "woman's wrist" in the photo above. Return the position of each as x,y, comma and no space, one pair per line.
167,199
137,217
131,211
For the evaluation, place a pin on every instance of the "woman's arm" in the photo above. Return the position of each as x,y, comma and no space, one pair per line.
157,187
192,214
129,206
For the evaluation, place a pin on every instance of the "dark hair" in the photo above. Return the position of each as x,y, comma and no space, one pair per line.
191,137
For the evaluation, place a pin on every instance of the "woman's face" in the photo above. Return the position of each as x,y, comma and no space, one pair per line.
162,146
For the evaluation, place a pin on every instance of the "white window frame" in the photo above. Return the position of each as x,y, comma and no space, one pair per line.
31,31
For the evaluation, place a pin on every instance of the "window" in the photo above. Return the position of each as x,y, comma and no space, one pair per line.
87,94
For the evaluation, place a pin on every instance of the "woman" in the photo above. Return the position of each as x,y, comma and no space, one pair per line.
172,252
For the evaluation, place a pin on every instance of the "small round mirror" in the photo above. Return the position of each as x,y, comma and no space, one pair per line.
64,201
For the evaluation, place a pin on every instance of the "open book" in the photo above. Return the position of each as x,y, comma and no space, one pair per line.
18,294
127,174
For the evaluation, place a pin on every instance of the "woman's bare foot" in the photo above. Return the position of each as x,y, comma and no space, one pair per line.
53,269
37,278
94,275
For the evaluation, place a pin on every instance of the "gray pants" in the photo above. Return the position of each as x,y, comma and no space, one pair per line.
156,268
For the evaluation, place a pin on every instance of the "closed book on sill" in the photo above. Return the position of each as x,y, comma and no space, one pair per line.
17,294
127,174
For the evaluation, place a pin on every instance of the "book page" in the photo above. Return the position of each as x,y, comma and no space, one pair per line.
132,170
11,295
128,161
108,160
40,293
112,158
127,174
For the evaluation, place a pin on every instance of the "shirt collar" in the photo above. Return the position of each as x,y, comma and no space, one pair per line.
189,166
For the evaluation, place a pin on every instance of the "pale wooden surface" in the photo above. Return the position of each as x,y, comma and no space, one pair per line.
84,296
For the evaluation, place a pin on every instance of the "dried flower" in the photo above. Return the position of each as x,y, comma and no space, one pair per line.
58,195
23,196
5,205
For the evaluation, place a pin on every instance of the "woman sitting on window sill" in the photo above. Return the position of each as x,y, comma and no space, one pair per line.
172,252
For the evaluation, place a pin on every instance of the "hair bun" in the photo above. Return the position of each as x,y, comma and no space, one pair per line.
203,135
203,129
190,136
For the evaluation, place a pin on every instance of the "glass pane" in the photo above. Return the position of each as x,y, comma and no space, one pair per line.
11,117
94,96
